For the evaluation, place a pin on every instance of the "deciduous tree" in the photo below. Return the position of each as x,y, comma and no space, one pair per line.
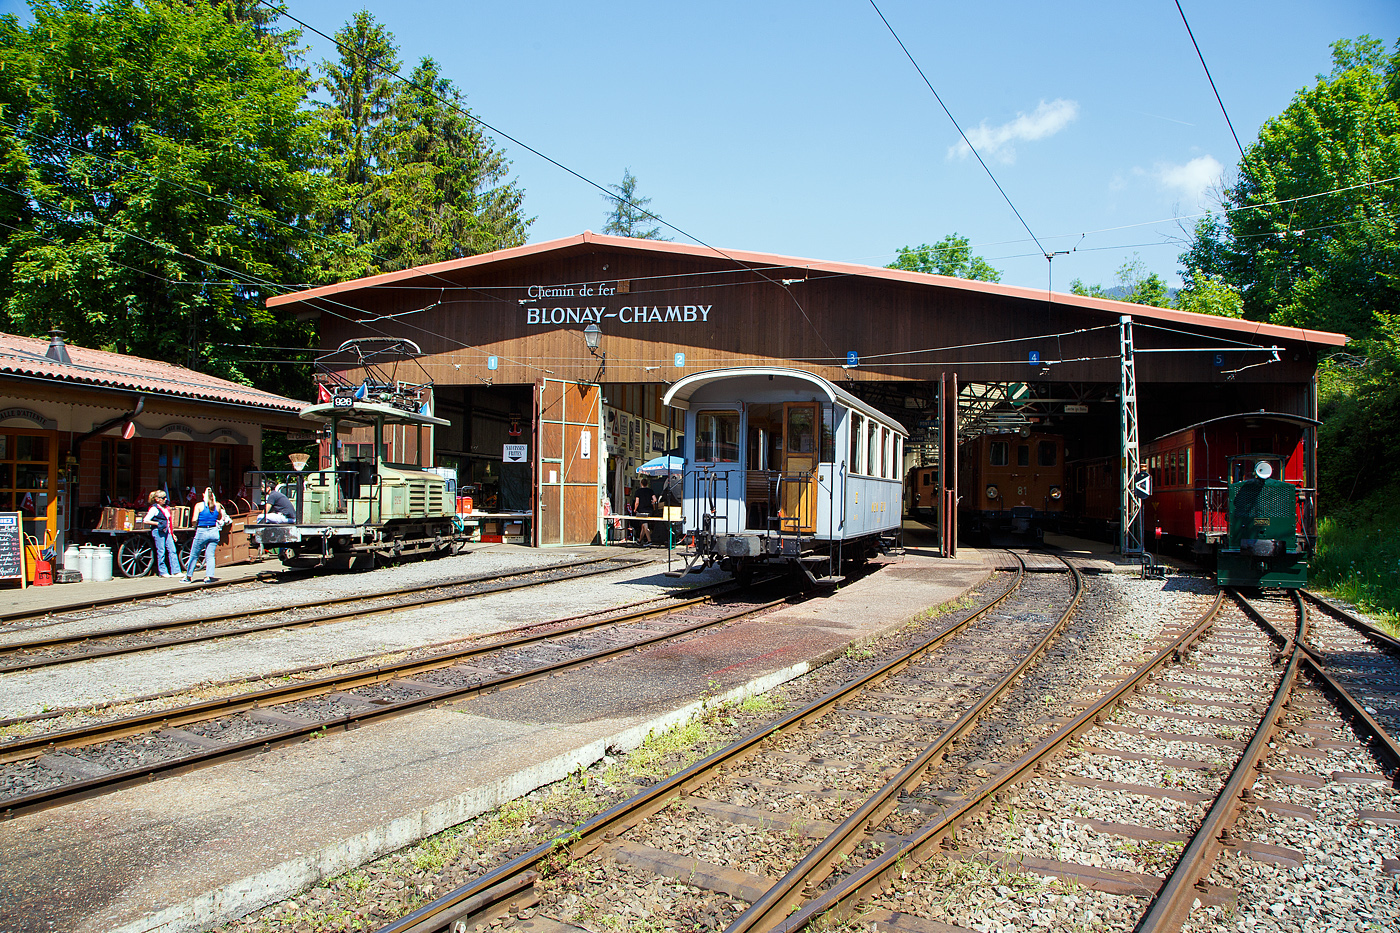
951,255
159,179
1313,236
1135,284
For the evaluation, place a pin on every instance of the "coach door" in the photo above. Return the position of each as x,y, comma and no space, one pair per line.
801,421
567,464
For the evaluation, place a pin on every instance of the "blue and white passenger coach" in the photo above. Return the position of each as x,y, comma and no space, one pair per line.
786,468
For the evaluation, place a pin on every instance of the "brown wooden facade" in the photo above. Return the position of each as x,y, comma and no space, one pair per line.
517,318
528,308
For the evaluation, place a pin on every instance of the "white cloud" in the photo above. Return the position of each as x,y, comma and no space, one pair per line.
995,141
1191,180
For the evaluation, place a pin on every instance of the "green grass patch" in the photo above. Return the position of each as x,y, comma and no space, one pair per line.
662,755
1358,555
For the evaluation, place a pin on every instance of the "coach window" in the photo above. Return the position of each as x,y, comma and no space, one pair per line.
828,453
872,458
998,452
1045,453
898,456
1189,478
885,452
717,436
857,429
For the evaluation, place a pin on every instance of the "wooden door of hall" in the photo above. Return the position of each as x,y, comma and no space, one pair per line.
801,451
569,445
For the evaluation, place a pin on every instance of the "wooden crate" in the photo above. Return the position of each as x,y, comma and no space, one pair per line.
181,515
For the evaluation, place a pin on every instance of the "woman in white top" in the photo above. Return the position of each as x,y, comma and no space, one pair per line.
162,522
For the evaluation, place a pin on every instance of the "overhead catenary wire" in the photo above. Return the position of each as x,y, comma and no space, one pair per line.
1206,67
929,85
248,279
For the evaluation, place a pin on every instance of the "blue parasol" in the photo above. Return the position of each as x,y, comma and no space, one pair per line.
660,466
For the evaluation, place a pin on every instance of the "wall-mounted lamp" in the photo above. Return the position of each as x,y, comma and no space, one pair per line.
592,336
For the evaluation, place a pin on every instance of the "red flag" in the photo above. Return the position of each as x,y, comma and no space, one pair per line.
323,395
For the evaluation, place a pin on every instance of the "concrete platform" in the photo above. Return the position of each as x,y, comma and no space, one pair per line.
188,852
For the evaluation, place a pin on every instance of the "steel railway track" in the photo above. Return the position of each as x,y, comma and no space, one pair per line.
909,690
34,653
1222,662
293,712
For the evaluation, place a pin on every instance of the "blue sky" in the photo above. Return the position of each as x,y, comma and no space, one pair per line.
800,127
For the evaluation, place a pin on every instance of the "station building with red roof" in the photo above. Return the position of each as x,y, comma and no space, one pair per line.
81,429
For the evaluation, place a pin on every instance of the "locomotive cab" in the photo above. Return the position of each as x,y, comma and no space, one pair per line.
359,512
1262,547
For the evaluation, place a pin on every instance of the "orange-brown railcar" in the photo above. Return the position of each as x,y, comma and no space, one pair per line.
1011,483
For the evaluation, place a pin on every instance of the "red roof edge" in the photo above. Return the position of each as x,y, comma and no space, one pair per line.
1136,311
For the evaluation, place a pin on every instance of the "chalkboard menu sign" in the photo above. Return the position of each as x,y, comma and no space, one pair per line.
11,546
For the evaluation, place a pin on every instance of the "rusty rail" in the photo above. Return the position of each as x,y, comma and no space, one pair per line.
1172,906
843,899
447,910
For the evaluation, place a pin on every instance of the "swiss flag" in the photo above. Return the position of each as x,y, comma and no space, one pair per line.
323,395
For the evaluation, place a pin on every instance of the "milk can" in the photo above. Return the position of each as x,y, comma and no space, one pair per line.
70,557
85,553
101,564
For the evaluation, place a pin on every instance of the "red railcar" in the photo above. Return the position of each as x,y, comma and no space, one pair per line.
1092,499
1192,470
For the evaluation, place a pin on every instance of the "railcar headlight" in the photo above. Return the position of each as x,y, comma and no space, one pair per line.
1055,492
1263,469
991,492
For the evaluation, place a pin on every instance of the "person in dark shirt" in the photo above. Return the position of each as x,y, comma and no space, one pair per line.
644,504
277,508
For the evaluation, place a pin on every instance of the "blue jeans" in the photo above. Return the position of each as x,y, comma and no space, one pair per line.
167,555
205,539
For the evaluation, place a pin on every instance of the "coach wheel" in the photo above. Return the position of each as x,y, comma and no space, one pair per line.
135,556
